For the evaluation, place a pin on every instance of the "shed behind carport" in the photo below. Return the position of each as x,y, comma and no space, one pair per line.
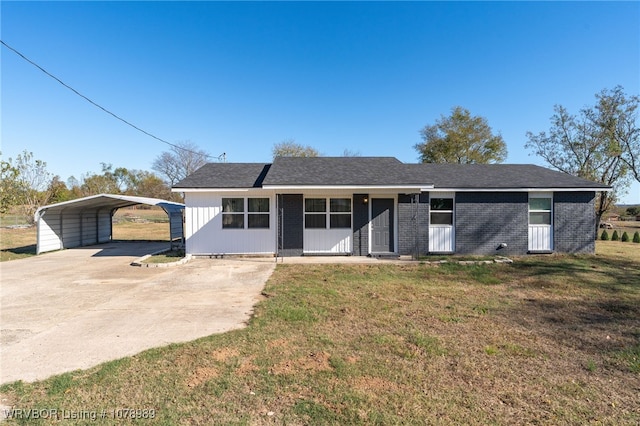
86,221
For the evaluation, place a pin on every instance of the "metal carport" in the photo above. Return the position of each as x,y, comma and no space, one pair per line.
86,221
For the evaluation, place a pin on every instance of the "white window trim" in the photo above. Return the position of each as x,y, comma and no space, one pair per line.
445,195
396,240
452,196
546,195
328,211
245,213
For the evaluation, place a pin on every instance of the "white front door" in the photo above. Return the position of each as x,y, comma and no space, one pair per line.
441,220
540,222
441,239
539,238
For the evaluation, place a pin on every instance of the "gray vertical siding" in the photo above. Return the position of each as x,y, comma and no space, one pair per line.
574,222
413,225
484,220
360,225
293,224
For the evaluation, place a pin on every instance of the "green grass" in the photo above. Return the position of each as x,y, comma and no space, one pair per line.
166,257
546,340
17,243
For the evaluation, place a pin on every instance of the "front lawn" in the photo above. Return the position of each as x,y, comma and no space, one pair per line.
546,340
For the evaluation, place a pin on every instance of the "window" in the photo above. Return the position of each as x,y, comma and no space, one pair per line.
258,213
234,212
540,211
315,213
441,212
340,213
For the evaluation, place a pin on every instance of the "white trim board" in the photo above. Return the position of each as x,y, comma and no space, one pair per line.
518,190
349,187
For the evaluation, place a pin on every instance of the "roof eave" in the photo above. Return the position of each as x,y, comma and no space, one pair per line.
213,189
410,187
115,201
523,189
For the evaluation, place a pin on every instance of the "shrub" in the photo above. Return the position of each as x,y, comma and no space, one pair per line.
625,237
615,236
604,236
636,237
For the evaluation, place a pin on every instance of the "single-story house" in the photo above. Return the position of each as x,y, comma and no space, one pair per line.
379,206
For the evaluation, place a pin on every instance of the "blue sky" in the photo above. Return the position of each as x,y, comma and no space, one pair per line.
240,77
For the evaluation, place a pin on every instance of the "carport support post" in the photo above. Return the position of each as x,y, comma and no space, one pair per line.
97,226
81,227
415,201
112,213
37,219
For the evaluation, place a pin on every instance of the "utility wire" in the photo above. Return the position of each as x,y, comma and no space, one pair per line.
95,104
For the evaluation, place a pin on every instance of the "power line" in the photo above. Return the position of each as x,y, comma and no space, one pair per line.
96,104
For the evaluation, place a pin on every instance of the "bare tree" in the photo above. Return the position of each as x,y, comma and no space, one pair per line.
180,161
348,153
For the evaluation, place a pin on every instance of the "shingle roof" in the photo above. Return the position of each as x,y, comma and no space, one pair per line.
340,171
226,175
379,171
497,176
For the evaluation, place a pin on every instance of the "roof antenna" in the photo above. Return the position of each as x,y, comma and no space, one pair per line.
222,157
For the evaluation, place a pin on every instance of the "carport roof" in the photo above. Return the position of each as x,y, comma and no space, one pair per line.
110,202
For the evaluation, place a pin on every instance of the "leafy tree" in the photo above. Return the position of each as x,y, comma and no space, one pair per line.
180,161
289,148
59,191
600,144
633,211
604,236
120,181
25,184
9,185
615,236
74,187
108,182
625,237
636,237
461,138
146,184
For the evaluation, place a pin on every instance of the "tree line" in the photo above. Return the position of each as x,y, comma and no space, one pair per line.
26,184
600,143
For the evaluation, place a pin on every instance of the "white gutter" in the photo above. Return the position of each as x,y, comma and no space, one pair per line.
213,189
538,189
403,188
349,187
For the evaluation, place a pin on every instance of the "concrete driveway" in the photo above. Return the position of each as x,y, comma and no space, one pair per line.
74,309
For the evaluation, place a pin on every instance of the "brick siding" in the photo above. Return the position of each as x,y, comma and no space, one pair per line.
484,220
574,222
413,225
